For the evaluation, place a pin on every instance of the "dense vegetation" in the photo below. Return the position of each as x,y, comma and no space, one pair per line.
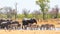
42,13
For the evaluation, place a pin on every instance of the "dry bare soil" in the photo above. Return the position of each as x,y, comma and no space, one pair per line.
29,32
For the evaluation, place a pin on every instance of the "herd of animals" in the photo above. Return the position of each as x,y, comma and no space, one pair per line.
27,24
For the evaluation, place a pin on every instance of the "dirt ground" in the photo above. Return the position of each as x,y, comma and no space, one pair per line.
29,32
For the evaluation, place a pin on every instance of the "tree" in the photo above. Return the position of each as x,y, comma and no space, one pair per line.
14,12
36,14
1,12
43,5
26,12
57,10
8,11
54,12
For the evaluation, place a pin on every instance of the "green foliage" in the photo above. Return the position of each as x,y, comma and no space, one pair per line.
58,15
26,12
30,16
43,6
49,16
21,16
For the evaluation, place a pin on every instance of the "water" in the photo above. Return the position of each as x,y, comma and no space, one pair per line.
40,29
57,28
28,28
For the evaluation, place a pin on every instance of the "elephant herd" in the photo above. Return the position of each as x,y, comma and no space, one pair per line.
47,27
31,24
8,24
27,24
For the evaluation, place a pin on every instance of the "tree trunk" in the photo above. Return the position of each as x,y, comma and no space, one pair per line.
15,16
57,15
43,15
